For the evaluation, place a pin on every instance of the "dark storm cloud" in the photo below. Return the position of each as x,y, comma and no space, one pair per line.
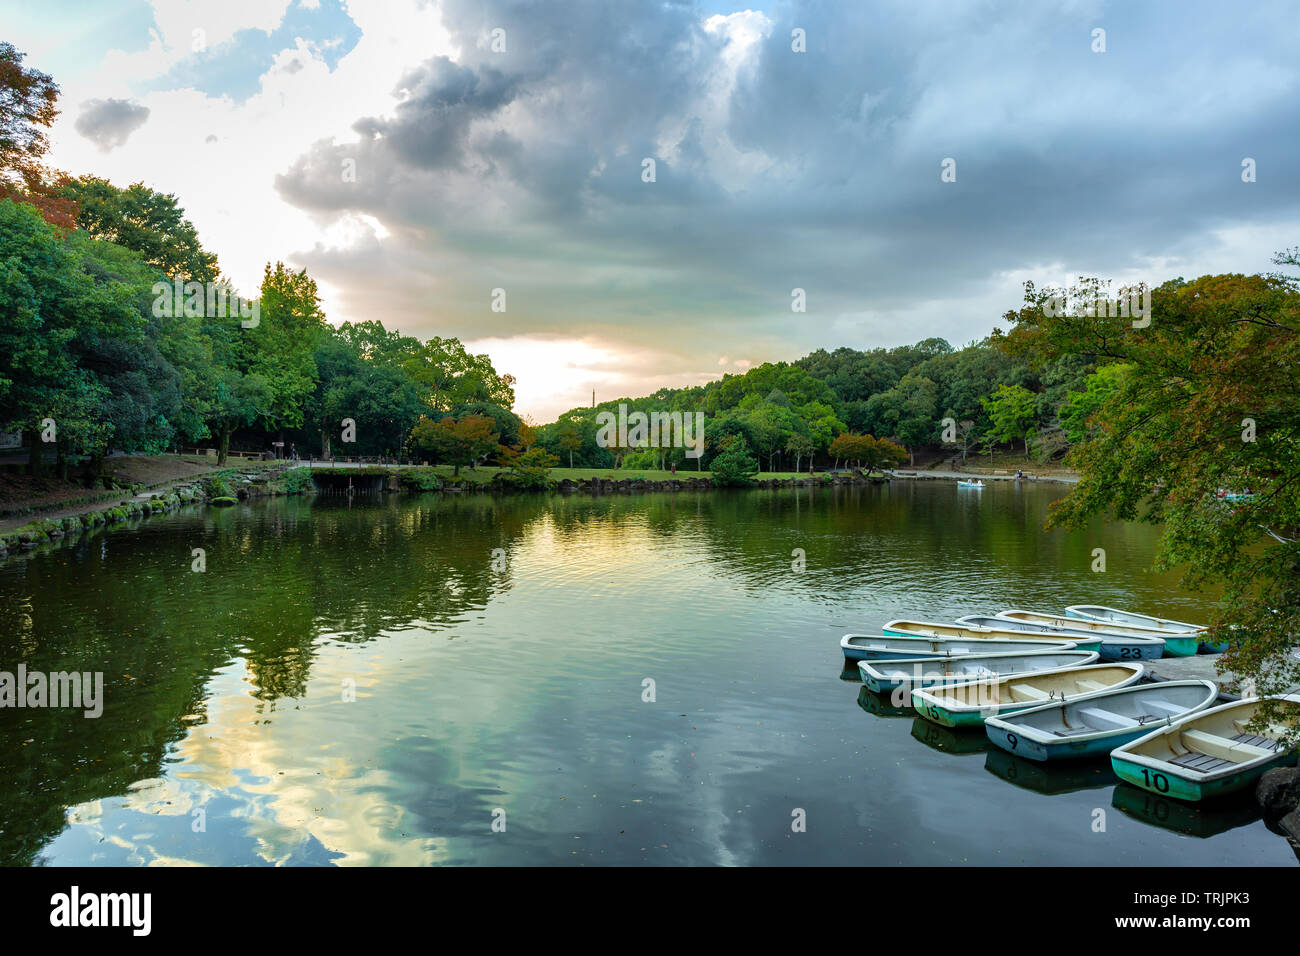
441,100
109,123
821,170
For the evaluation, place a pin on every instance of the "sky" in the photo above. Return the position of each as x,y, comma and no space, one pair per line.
416,156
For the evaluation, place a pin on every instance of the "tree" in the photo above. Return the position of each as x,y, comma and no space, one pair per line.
847,446
907,410
457,443
281,347
734,466
451,376
1099,387
569,439
801,447
27,109
882,453
1012,410
530,470
1207,403
150,223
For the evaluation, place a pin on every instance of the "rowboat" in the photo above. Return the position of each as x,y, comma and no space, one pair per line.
1098,612
1113,647
1208,754
962,483
1099,723
877,647
904,628
1177,644
957,705
906,673
1102,614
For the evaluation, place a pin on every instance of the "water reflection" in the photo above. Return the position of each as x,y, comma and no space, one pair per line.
882,705
369,683
1198,820
1065,777
950,740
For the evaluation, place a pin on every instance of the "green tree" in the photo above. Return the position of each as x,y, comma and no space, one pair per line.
149,223
570,439
801,447
1207,403
281,347
530,470
1012,411
1079,407
734,466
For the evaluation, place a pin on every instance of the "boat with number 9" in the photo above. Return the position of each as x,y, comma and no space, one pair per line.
1097,724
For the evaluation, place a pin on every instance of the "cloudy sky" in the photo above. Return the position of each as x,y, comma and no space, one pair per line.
414,156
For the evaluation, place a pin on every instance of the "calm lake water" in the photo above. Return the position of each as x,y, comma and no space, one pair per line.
516,684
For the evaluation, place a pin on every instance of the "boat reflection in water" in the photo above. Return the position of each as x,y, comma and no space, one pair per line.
1049,778
950,740
1193,819
883,705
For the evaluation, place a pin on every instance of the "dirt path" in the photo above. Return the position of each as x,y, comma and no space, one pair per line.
156,473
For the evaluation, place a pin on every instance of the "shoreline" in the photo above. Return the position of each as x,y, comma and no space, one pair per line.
228,486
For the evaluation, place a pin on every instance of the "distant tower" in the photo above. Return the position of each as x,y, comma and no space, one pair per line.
593,398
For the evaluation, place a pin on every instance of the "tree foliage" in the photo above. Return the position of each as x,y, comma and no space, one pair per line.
1206,402
28,101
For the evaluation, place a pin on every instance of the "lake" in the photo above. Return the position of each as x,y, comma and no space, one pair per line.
638,679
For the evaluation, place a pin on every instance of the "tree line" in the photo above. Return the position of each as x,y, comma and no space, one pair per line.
97,354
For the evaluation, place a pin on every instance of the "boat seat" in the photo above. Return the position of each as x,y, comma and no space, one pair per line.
1073,731
1023,692
1091,685
1215,746
1201,763
1246,736
1105,720
1162,708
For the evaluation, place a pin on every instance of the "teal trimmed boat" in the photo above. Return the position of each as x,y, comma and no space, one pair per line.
877,647
1113,647
1209,754
1177,643
1103,614
1096,725
901,627
907,673
1182,640
962,705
